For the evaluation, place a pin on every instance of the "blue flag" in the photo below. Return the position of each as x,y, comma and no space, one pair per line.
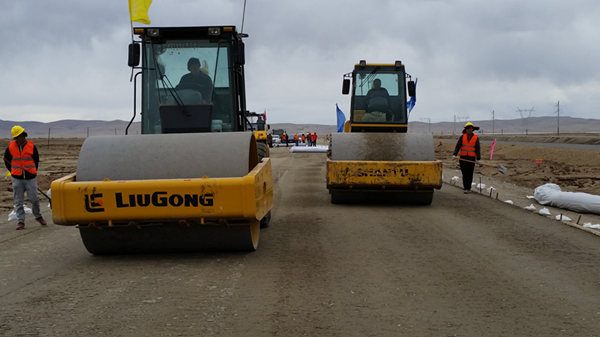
413,100
341,119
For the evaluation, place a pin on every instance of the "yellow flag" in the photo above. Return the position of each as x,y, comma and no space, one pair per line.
138,11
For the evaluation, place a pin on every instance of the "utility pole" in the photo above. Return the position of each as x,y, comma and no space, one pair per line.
558,118
454,125
428,123
493,122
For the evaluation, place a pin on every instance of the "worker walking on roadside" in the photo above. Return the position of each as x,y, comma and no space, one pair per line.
470,152
22,159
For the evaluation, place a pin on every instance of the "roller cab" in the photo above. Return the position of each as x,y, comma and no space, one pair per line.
375,160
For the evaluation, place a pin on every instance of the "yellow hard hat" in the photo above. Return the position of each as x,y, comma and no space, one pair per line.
471,125
17,130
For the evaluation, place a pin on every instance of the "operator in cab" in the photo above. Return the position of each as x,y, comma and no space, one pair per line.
378,100
196,80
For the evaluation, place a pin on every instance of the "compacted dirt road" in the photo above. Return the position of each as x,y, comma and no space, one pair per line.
467,265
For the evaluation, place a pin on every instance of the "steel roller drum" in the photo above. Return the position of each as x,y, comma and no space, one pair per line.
382,147
167,156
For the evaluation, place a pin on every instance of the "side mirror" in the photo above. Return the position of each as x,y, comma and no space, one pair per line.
268,126
346,86
134,55
240,53
412,89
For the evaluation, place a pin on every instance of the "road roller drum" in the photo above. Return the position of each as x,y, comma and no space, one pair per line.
382,168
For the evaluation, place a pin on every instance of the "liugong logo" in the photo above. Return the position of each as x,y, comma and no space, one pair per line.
93,203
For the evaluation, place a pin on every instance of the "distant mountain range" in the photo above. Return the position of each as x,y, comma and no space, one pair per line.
70,128
84,128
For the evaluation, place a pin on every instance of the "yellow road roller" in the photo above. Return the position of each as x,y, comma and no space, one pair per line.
257,123
194,178
375,160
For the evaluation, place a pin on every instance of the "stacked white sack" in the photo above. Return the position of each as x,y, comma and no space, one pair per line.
318,148
551,194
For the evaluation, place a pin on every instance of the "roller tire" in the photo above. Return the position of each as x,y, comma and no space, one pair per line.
264,222
170,238
263,150
379,197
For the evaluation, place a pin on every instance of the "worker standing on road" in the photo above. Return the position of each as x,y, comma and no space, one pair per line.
303,138
313,139
22,159
469,150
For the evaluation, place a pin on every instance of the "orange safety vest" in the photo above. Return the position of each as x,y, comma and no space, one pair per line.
21,159
468,147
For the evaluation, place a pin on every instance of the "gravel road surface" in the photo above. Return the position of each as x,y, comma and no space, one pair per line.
467,265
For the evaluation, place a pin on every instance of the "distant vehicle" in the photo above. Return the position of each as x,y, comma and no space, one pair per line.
256,122
278,132
276,140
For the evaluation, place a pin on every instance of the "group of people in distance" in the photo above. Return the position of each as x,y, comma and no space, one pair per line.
310,139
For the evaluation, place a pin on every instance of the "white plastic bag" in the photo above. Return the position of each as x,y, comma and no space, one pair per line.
562,218
13,215
550,194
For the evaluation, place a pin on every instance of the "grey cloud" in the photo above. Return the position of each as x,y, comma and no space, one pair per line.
471,57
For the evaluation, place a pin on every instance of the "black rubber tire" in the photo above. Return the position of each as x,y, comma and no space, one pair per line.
263,150
264,222
423,197
170,238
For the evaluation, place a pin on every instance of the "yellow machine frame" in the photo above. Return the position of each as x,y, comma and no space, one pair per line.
202,199
406,175
260,136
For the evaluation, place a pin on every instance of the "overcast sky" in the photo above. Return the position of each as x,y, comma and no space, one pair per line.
68,59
